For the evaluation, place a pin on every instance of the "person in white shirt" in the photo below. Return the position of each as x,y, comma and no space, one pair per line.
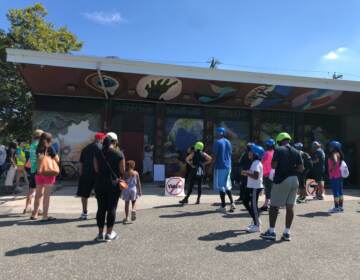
254,186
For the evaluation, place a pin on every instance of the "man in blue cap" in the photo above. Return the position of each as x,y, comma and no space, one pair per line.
222,152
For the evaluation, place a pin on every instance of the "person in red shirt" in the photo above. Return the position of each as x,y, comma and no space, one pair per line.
266,162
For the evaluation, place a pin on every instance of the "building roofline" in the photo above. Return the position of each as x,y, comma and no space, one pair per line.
149,68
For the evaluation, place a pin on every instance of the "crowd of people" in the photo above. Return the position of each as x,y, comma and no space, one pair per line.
279,169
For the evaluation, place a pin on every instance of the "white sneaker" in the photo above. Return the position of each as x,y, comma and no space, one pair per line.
83,216
221,209
112,236
253,229
125,220
249,226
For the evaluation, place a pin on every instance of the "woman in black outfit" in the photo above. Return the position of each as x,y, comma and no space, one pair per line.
109,164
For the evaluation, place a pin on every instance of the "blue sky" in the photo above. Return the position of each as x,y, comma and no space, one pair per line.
304,37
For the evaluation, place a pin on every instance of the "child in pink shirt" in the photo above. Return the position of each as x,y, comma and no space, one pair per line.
266,162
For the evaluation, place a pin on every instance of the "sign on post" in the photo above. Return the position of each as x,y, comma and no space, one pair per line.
175,186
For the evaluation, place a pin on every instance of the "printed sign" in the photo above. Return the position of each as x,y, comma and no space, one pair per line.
175,186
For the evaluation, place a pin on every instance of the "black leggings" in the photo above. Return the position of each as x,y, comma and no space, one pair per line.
192,180
222,197
250,201
107,203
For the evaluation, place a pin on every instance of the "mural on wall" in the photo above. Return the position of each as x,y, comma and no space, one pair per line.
264,97
71,131
111,84
238,132
319,133
315,98
159,88
181,134
271,130
222,93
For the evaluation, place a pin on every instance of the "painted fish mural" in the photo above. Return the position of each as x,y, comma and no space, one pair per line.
222,94
315,98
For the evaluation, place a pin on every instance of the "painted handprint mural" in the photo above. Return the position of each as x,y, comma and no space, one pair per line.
159,88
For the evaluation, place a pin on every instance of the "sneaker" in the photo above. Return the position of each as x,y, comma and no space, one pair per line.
112,236
268,235
232,208
125,220
83,216
249,226
133,215
300,200
100,237
253,229
334,210
320,197
221,209
286,237
184,201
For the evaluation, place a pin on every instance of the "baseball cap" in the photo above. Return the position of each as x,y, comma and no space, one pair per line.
112,136
100,135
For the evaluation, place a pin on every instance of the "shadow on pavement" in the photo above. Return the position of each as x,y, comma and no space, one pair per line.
237,215
49,247
188,214
213,236
314,214
169,206
53,222
250,245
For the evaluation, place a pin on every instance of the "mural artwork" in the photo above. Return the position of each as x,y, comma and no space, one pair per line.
315,98
71,131
111,84
222,93
159,88
181,134
264,97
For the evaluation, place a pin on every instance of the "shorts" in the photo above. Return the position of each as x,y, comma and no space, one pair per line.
41,180
32,183
285,193
85,186
129,194
222,180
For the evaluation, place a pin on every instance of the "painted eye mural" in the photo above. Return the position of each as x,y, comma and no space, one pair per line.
222,93
110,83
159,88
315,98
264,97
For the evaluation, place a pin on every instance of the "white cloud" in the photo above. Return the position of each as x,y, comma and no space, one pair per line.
103,17
335,54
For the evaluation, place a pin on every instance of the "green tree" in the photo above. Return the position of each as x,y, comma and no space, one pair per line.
28,30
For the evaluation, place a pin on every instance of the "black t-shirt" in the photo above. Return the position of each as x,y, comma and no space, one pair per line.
105,177
319,167
288,159
87,158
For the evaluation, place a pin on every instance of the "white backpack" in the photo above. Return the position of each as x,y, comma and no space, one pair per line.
344,170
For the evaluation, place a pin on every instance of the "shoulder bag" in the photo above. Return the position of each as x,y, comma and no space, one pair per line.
48,166
120,183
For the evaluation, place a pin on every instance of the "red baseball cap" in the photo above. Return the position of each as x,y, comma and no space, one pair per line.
100,135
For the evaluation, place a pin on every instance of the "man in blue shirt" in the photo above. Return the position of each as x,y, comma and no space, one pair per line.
222,152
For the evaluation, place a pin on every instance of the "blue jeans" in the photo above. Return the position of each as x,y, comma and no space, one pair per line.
337,187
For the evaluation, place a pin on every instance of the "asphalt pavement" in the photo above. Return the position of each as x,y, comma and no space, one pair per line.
190,242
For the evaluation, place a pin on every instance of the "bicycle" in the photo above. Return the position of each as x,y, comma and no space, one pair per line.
69,170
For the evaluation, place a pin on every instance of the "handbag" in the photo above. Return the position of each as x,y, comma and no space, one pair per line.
48,166
344,170
120,183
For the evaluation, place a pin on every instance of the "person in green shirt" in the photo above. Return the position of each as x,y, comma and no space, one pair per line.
33,168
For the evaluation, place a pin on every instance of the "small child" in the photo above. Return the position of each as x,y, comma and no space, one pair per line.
254,186
132,192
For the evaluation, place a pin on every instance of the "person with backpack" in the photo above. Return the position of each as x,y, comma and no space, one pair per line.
287,163
335,159
266,162
197,160
254,186
303,176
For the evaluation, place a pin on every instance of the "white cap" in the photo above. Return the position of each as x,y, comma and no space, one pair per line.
112,135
